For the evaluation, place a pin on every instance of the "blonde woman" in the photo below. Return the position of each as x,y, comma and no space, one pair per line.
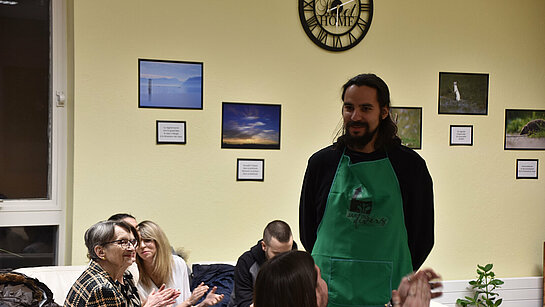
157,266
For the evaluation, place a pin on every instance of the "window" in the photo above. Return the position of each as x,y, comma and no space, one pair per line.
32,132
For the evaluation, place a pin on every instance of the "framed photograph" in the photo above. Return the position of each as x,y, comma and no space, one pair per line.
527,168
250,169
461,135
170,132
524,129
170,84
463,93
250,126
409,125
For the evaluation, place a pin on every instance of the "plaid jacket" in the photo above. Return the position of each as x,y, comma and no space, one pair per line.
95,288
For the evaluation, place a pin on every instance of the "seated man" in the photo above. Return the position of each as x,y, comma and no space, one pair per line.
125,217
277,239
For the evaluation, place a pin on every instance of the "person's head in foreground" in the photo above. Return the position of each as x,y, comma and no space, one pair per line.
277,239
290,279
293,279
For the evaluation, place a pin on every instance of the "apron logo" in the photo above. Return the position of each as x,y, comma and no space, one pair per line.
360,209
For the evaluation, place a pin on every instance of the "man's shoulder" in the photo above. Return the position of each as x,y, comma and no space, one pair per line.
327,154
405,154
254,254
407,161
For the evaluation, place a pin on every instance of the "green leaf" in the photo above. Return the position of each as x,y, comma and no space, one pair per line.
483,287
496,282
461,302
498,302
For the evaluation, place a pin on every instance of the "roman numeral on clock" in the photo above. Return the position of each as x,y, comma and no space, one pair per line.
365,7
312,23
322,36
308,5
337,43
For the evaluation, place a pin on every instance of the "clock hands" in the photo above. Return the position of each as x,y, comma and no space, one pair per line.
339,5
337,12
337,18
338,30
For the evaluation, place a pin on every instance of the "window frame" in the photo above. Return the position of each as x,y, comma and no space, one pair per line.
41,212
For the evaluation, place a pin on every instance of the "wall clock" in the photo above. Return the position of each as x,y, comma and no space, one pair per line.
336,25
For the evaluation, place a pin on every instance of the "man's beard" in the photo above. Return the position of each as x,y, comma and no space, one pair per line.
358,141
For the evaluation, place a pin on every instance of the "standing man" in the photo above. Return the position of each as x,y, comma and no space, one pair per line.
277,239
366,208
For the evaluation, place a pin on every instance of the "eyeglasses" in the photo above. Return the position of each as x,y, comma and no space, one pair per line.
124,243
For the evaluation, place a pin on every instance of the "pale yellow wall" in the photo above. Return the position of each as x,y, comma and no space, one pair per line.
257,51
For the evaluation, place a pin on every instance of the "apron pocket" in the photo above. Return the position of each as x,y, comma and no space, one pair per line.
359,282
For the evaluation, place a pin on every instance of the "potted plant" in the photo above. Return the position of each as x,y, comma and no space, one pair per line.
484,287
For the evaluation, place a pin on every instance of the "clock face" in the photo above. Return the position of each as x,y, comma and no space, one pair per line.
336,25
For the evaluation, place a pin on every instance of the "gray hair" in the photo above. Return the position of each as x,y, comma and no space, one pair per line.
103,232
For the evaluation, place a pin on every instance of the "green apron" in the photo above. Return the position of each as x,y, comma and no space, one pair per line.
361,247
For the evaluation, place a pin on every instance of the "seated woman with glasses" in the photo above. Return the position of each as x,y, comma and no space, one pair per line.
158,266
106,282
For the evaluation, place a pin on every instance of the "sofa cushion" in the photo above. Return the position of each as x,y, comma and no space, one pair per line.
59,279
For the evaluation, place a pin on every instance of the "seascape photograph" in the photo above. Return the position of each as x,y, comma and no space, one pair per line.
170,84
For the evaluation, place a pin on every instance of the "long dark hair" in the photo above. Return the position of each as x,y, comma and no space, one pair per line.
387,129
288,279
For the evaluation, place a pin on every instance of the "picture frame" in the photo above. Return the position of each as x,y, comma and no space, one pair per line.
461,135
250,169
524,129
409,125
527,168
165,84
250,125
463,93
170,132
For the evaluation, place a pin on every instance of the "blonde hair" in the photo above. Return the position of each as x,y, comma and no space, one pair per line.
162,261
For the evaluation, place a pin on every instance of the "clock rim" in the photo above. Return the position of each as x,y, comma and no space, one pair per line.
316,41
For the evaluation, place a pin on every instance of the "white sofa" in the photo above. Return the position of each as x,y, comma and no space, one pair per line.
60,279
